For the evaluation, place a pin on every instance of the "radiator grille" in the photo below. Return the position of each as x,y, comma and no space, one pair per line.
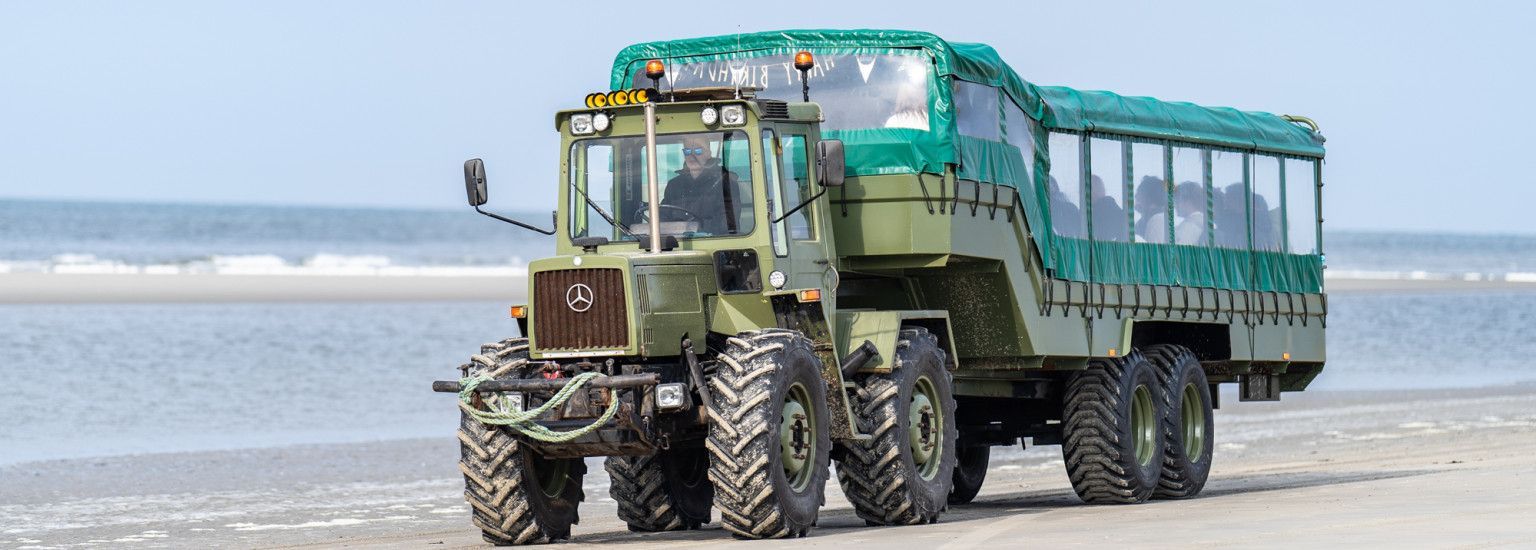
558,326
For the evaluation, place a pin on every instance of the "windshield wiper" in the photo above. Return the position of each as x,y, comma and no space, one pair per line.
600,211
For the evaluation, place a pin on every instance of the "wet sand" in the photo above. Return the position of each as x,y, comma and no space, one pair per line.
1420,468
46,288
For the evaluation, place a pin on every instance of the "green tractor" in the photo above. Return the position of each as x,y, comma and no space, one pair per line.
751,287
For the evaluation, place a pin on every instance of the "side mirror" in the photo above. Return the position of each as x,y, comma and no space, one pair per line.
474,181
829,163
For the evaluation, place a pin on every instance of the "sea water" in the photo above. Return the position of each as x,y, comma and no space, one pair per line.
80,380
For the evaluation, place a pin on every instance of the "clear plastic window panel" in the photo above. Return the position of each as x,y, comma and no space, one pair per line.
1191,205
594,162
1229,198
1064,186
854,91
1106,191
976,110
774,187
1151,193
1267,219
1018,133
706,189
1301,205
797,185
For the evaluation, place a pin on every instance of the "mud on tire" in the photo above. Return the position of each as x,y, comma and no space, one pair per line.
515,495
1187,422
903,474
665,491
757,375
1113,441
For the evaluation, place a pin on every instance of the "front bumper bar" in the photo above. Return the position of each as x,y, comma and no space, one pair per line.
628,433
548,385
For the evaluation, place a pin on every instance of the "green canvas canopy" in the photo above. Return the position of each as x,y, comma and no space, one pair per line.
968,128
1099,111
895,151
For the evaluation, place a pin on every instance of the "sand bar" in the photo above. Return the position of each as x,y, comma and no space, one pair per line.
51,288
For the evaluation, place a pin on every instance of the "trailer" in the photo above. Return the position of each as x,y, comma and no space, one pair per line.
880,250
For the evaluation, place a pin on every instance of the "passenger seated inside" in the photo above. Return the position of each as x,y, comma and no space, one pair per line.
1151,211
1066,218
1231,222
911,110
701,191
1109,223
1266,225
1189,210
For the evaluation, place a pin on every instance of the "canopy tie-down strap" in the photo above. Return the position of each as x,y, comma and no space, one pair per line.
524,421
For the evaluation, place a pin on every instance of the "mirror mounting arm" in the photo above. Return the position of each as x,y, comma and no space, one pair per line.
803,204
550,231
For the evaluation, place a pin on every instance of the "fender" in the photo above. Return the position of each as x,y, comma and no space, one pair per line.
883,328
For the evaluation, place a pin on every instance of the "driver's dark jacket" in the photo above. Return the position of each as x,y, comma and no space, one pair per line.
705,197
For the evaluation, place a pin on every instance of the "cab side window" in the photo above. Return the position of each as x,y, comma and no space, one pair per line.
797,185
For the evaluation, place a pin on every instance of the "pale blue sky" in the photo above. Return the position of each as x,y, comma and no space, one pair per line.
378,103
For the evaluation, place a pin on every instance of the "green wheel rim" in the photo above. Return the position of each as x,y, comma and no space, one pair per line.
1143,426
550,474
925,428
797,437
1192,418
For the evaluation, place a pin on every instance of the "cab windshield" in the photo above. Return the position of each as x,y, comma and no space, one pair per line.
706,186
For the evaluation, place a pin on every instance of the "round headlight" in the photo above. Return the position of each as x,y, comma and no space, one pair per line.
777,279
710,116
600,122
581,124
733,115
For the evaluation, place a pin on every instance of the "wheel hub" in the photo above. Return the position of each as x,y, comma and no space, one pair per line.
921,434
1143,426
796,433
1192,417
925,428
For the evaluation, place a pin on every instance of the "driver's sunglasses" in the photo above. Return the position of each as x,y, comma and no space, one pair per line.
693,151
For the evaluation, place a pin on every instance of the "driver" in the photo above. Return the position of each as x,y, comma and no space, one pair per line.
704,188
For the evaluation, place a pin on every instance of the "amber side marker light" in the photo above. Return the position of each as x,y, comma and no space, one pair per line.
1286,356
519,312
810,295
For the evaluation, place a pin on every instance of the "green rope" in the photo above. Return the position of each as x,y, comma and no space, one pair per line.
523,421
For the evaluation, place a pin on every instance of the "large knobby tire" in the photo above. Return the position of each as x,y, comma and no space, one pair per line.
1188,423
665,491
769,442
516,495
970,472
1113,437
903,473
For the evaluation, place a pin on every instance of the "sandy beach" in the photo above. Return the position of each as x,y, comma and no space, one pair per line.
1430,468
46,288
1421,468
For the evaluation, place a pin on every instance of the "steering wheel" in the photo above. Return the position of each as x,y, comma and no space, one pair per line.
643,213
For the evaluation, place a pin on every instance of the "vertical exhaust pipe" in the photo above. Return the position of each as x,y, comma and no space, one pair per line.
654,189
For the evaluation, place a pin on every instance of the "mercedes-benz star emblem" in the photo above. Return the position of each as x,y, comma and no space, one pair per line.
578,297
